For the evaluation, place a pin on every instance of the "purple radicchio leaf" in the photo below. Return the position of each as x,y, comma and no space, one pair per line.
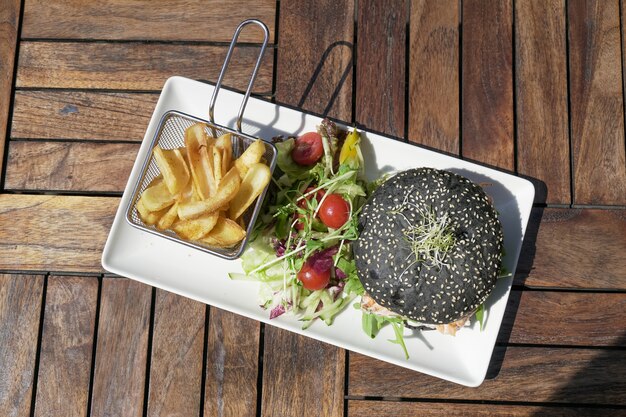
340,274
322,261
277,311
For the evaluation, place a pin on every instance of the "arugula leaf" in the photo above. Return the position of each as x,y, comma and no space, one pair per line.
480,315
398,327
371,324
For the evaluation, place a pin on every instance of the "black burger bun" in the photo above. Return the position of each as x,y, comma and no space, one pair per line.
427,285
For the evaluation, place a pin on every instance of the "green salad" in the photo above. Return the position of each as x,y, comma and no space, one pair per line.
300,250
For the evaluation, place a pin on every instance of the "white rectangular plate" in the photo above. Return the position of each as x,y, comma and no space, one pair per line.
159,262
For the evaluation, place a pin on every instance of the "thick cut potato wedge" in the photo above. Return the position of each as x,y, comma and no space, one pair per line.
157,196
253,184
251,156
200,165
217,165
226,233
196,228
172,165
226,191
166,221
224,143
150,218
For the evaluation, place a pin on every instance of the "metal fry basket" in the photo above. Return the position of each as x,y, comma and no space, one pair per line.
170,134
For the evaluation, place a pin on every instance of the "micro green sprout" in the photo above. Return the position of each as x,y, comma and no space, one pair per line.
431,238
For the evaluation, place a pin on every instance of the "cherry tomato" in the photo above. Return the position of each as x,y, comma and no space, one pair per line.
312,279
334,211
308,149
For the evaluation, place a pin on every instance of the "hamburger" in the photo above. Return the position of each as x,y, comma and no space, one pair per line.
429,249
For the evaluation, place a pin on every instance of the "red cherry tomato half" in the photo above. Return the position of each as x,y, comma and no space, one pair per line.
334,211
308,149
312,279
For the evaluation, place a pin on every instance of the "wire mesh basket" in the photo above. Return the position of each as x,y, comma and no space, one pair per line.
170,134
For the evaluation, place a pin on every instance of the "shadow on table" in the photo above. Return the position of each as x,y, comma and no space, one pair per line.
322,80
524,266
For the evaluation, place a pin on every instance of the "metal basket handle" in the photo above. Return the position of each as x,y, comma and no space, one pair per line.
252,77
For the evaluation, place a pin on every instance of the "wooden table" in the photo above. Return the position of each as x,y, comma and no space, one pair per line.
535,88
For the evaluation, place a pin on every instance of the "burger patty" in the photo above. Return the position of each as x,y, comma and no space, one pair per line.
429,246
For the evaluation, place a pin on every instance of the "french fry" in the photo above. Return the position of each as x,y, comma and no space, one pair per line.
196,228
225,233
157,196
226,191
166,221
217,165
224,143
150,218
202,191
249,157
253,184
201,167
172,165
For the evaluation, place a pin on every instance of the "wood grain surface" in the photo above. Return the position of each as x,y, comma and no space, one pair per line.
564,318
380,79
81,115
66,346
542,110
232,365
54,233
134,65
180,20
176,360
538,374
597,107
574,248
301,376
434,75
487,83
20,310
314,63
443,409
9,18
122,348
69,166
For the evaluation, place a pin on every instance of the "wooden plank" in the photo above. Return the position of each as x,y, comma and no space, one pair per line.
9,20
20,310
487,84
301,376
550,375
314,65
54,233
81,115
122,348
564,318
434,409
176,362
434,75
574,248
66,346
232,365
541,85
194,20
69,166
597,108
312,62
380,75
134,66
